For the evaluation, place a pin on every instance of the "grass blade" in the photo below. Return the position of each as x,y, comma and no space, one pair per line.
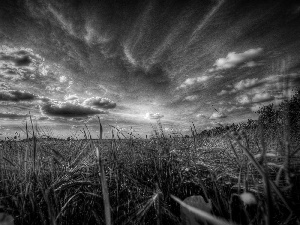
202,214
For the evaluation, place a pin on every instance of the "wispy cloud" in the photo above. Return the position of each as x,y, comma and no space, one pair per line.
129,56
92,36
61,19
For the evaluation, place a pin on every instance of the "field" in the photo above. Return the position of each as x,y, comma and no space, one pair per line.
50,181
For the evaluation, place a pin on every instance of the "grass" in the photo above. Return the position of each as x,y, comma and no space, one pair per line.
139,181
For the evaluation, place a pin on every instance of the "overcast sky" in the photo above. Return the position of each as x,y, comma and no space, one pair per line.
133,62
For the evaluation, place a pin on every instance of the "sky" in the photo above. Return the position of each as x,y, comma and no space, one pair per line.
134,62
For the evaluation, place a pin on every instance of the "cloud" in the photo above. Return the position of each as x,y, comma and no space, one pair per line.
3,85
265,89
54,89
68,109
223,92
62,79
195,80
42,118
191,98
153,116
243,99
129,56
251,64
16,96
23,61
71,97
12,115
257,96
233,59
94,37
200,115
99,102
234,108
262,97
247,83
256,106
22,57
217,115
22,64
66,25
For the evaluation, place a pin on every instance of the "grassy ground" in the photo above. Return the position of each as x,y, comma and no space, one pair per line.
252,176
58,182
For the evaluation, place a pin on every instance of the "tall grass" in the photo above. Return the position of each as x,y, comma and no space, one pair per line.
251,176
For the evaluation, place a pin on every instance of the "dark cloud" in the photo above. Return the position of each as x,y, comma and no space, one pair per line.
99,102
12,115
42,118
68,109
23,61
16,96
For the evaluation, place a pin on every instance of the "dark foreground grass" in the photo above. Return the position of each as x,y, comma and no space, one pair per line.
252,176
